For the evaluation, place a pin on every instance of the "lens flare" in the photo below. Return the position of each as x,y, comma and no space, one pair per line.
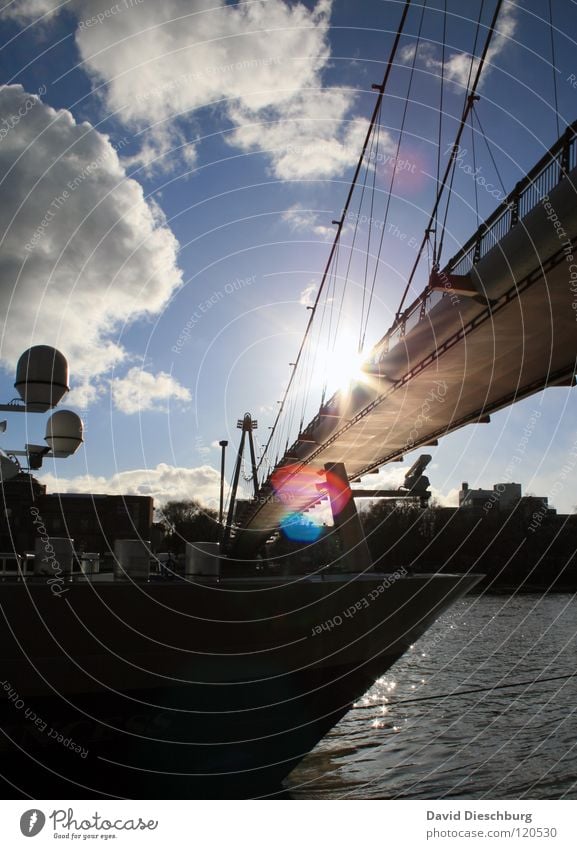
299,528
295,486
339,492
298,487
410,168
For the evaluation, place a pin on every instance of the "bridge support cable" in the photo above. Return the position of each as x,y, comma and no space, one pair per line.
381,90
436,254
474,155
328,349
373,156
485,139
470,98
313,363
443,228
363,330
554,69
369,232
333,334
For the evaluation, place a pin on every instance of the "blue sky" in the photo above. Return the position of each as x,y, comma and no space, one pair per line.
170,174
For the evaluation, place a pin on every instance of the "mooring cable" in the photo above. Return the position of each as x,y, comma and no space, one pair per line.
471,691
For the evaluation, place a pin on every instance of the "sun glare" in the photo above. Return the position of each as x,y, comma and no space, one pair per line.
345,364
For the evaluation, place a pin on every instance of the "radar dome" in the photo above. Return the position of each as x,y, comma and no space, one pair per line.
64,433
41,377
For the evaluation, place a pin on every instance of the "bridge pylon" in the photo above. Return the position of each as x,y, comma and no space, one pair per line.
247,424
356,553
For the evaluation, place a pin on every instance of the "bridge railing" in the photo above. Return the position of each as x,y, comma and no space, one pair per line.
559,160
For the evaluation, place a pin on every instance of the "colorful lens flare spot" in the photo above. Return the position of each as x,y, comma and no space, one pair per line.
339,492
294,485
299,528
410,168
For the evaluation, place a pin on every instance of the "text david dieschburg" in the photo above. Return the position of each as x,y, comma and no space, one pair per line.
457,816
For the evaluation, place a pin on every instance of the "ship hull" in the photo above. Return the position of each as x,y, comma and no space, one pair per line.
215,689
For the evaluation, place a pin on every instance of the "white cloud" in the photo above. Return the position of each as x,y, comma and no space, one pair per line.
388,477
458,65
139,391
163,483
162,59
308,221
449,499
260,64
23,10
308,295
308,137
299,219
83,395
407,52
156,151
82,252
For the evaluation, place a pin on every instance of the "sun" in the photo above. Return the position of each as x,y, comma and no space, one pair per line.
345,365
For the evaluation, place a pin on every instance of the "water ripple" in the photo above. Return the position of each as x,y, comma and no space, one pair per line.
512,743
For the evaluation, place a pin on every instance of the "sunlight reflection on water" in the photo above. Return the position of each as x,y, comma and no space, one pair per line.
509,743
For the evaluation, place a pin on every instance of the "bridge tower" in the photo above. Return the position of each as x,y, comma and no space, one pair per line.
356,552
247,424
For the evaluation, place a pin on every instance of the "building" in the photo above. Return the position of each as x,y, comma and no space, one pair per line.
96,521
19,495
93,521
503,497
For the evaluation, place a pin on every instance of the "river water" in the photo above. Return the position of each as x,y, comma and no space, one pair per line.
514,743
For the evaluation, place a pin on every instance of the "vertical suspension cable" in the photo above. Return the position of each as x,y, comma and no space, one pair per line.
328,348
429,256
453,172
469,101
369,234
473,54
474,154
554,64
446,215
391,185
484,136
440,138
381,90
373,148
307,368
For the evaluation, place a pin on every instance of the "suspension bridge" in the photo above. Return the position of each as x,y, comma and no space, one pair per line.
493,325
